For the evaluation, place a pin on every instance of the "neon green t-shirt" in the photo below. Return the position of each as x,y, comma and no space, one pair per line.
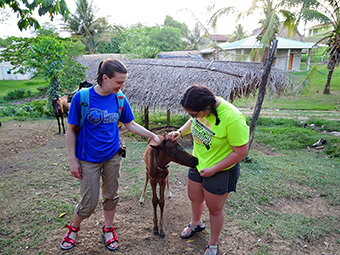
213,143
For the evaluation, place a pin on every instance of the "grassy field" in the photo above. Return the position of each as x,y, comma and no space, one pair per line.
311,97
32,85
288,191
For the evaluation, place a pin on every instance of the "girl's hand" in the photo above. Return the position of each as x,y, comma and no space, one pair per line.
207,172
174,135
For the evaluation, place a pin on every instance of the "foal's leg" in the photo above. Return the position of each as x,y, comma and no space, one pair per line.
155,202
62,122
168,188
161,206
58,124
141,200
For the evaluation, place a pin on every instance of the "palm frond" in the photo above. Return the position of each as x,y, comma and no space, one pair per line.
313,15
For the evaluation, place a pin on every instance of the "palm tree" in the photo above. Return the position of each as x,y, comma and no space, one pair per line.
238,34
326,12
84,25
269,28
195,39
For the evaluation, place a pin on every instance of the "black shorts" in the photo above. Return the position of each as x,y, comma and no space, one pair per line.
220,183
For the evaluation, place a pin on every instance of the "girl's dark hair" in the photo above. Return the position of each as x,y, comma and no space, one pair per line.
199,98
109,67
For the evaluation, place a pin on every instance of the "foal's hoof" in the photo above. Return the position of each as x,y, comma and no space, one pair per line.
155,232
162,235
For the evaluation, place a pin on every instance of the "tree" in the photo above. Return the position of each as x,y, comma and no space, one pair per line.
47,30
26,9
170,22
269,28
196,39
166,39
214,18
51,56
136,42
326,12
238,34
84,25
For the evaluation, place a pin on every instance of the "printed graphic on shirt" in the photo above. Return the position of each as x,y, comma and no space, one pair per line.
95,116
201,133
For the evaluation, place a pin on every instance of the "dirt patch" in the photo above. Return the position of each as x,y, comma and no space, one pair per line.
20,141
311,207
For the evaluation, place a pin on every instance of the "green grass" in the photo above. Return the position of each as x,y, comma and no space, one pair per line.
311,98
289,170
290,176
33,84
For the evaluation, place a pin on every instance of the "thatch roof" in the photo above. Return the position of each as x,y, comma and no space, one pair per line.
161,82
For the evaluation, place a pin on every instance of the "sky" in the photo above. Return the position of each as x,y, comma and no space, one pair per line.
149,13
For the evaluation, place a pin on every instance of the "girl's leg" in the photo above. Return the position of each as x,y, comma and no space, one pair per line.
110,176
215,204
89,190
73,235
196,196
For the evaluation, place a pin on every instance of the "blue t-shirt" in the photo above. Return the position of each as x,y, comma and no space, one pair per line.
98,139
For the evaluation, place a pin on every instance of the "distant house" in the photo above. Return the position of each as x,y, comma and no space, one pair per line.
6,72
288,54
319,29
218,38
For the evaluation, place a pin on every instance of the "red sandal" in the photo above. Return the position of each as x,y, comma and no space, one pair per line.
112,240
67,239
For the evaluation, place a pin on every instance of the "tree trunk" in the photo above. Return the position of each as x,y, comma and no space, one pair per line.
262,91
327,89
88,38
309,58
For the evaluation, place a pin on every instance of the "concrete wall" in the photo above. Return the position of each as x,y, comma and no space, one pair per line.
6,74
282,59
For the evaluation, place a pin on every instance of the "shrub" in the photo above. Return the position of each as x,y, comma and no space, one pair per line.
18,94
35,109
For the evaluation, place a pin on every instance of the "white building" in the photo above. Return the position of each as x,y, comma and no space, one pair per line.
6,72
288,53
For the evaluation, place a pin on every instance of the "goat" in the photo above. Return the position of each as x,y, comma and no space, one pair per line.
60,108
157,158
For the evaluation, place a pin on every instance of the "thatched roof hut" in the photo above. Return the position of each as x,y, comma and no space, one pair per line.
161,82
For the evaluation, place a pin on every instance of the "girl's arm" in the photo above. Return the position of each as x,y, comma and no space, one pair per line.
238,153
139,130
185,129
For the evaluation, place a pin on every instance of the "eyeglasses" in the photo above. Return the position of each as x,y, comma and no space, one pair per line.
193,115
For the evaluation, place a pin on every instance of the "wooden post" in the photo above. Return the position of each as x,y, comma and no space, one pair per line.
262,91
146,117
168,118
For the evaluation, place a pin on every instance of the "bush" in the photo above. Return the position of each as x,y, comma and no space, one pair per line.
35,109
42,90
18,94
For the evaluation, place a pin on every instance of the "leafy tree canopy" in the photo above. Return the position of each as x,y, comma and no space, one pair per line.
53,57
25,10
170,22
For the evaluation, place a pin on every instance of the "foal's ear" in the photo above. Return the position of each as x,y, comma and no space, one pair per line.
157,147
